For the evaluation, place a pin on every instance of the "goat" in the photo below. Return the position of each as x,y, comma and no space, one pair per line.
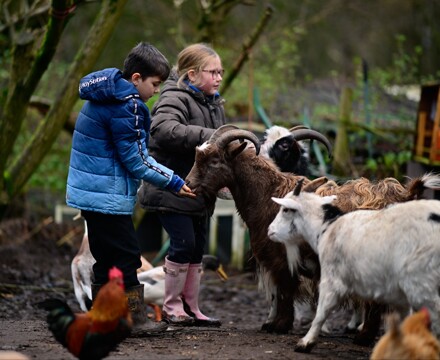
390,256
253,180
281,146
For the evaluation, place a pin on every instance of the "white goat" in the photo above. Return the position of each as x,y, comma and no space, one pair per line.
390,256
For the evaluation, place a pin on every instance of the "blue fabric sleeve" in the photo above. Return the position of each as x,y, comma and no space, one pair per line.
175,184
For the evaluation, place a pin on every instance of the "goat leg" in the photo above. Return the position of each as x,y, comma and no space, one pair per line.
373,316
283,320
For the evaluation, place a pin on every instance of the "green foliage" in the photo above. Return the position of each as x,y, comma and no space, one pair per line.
405,67
389,164
51,175
272,68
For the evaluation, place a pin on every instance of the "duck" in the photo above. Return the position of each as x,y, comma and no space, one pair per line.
154,282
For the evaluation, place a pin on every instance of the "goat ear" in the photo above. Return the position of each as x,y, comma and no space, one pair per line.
237,150
313,185
287,203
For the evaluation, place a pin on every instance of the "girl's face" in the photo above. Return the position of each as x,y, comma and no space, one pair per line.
208,79
148,87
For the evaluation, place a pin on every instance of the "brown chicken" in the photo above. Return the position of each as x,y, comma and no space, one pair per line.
412,340
92,335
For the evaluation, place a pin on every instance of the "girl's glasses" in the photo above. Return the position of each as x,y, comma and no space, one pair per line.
215,73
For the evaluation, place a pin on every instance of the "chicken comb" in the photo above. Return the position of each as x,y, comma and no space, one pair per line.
114,273
425,311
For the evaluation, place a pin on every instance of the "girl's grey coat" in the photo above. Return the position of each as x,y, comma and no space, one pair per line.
182,119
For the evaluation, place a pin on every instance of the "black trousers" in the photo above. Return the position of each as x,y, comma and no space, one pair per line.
113,242
187,237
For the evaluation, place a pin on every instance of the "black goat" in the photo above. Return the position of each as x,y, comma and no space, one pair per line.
284,148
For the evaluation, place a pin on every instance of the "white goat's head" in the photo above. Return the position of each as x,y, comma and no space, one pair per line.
300,212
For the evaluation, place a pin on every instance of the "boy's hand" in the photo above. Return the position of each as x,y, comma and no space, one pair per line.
186,191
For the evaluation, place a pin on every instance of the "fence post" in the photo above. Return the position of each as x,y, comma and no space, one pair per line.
341,156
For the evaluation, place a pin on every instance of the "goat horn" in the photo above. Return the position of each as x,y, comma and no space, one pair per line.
220,131
292,129
237,134
298,187
304,133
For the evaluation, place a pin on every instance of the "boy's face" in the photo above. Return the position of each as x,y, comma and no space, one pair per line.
148,87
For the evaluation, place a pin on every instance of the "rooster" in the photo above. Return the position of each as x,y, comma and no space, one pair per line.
92,335
412,340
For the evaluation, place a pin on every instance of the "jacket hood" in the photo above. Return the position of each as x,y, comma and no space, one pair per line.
106,86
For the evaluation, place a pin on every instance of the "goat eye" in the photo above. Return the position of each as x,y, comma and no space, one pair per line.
287,210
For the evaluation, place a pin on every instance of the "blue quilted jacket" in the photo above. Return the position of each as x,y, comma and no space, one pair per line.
109,147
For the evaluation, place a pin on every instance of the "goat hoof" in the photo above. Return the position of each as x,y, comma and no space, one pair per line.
363,340
267,327
273,327
303,348
349,330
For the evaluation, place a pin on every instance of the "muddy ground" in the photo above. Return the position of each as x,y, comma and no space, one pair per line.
35,264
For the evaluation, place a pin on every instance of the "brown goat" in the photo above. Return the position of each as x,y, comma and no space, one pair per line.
252,180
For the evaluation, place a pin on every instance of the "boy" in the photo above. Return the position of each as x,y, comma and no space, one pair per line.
109,158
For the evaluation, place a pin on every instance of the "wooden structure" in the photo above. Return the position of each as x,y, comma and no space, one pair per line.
427,140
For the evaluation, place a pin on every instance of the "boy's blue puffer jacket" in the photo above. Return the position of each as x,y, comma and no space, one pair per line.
109,147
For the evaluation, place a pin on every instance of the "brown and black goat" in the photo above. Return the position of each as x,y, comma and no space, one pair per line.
253,181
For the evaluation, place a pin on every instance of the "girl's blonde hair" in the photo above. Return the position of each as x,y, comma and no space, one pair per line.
193,57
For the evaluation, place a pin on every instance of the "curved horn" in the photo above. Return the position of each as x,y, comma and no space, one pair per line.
292,129
298,187
300,133
221,130
237,134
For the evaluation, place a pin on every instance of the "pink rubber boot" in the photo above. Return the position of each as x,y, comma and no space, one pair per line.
190,296
175,277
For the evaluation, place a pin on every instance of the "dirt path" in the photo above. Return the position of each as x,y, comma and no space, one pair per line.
37,268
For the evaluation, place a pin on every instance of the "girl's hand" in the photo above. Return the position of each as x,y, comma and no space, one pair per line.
186,191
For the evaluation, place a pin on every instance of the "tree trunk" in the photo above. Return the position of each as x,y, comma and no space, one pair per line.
26,71
23,166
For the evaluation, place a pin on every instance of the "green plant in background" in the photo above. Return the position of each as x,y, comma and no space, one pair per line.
389,164
51,175
272,69
406,66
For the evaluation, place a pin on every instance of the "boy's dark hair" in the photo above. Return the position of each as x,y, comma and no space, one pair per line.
146,60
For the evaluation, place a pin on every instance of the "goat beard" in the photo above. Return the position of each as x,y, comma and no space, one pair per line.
210,201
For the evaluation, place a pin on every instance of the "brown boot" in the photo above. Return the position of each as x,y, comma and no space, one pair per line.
142,325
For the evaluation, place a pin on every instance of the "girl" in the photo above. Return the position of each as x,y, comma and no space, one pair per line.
188,111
